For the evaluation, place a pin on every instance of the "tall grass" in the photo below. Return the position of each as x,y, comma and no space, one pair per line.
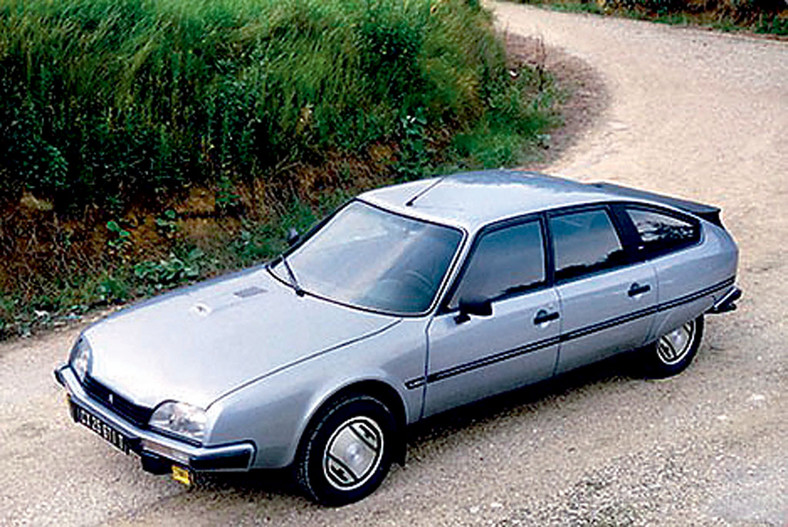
110,101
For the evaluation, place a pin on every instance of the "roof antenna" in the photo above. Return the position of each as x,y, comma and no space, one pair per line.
410,202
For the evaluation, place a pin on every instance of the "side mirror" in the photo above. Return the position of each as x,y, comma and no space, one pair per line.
292,236
479,308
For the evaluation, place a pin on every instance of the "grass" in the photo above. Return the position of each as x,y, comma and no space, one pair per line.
108,102
758,16
149,143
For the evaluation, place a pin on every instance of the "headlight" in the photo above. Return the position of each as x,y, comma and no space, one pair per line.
81,355
180,419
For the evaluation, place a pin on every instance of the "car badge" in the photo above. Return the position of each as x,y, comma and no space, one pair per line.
111,399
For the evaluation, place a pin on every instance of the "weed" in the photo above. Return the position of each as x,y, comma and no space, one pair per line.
121,238
415,153
167,223
227,200
170,271
111,289
760,16
774,25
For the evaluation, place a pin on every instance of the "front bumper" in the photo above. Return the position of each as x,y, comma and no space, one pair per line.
157,452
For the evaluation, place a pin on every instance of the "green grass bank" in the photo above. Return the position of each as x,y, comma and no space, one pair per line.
768,17
147,143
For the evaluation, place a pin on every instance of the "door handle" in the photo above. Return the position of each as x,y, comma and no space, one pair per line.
543,316
637,289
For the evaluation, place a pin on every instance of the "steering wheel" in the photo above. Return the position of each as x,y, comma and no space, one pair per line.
409,290
419,279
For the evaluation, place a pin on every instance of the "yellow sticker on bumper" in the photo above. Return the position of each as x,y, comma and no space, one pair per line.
181,475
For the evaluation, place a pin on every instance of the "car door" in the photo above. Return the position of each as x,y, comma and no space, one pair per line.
607,299
471,356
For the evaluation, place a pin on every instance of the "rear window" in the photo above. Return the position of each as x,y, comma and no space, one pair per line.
660,232
584,242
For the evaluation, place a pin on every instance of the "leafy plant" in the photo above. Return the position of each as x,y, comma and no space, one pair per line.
171,270
227,199
122,236
167,222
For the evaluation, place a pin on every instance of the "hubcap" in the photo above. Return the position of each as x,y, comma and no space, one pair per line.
674,346
353,453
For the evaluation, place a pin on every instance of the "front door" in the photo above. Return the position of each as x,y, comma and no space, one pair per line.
470,357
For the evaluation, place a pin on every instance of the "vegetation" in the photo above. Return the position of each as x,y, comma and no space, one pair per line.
146,143
759,16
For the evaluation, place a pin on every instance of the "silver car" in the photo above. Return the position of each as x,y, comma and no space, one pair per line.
407,301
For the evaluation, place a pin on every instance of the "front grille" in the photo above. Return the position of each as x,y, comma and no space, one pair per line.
138,415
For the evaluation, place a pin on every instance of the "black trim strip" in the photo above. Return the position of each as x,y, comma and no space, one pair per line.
581,332
491,359
415,383
696,295
600,326
225,460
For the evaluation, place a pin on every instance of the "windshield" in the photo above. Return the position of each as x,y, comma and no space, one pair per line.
374,259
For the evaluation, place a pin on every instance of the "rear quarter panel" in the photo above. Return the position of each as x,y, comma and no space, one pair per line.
690,280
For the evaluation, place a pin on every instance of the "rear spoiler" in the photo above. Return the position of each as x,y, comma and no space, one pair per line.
707,212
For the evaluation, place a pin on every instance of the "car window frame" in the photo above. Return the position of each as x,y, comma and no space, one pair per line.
619,228
443,306
639,251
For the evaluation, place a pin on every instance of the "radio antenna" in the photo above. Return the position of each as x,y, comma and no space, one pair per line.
420,194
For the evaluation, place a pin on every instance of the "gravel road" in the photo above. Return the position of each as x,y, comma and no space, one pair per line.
692,113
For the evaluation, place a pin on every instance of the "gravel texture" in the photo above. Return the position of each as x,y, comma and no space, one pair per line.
691,113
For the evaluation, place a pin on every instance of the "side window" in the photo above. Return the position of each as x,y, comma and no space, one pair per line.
584,242
505,261
661,232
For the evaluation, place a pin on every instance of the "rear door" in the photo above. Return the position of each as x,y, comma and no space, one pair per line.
607,298
472,357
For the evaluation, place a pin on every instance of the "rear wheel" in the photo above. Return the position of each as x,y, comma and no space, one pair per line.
673,352
347,453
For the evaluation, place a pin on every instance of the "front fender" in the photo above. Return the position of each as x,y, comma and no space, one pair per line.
275,411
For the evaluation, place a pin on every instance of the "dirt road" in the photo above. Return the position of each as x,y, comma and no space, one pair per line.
692,113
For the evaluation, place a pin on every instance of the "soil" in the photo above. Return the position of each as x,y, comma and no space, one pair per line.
582,94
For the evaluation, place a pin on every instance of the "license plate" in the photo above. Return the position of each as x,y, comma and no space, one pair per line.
99,426
181,475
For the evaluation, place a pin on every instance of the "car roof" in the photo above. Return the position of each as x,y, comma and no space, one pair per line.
471,200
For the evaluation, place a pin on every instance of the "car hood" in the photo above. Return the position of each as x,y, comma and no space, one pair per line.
197,343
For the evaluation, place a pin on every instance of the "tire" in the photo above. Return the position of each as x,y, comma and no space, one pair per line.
346,454
673,352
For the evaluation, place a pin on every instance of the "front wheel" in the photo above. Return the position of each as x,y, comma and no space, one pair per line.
673,352
347,453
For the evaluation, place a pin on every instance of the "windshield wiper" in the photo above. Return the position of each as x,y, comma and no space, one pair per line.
293,280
